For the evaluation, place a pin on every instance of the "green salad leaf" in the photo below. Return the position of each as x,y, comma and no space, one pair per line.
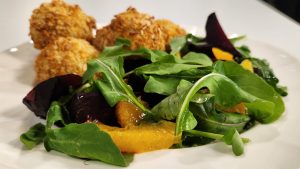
263,69
111,84
270,107
34,136
231,137
212,120
84,141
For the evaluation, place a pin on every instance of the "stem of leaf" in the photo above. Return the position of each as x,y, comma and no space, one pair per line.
211,135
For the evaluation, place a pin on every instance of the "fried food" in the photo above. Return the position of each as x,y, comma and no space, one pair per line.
144,137
64,56
138,27
170,29
55,19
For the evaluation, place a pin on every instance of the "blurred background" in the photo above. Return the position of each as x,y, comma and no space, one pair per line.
288,7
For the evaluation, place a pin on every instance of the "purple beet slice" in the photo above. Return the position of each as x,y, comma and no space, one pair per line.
216,36
91,106
38,100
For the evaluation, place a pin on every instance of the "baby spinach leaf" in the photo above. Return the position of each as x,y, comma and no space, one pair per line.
257,87
84,141
34,136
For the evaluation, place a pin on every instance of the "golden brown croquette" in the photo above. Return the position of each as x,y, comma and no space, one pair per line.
170,29
138,27
63,56
55,19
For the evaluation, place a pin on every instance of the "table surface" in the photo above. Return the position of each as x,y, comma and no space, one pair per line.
254,18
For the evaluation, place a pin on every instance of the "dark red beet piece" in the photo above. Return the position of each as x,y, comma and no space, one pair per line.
38,100
216,36
91,107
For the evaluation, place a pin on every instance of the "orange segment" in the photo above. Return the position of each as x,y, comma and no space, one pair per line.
222,55
144,137
247,64
128,114
239,108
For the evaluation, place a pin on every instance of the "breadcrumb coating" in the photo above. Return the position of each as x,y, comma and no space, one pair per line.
64,56
140,28
170,29
55,19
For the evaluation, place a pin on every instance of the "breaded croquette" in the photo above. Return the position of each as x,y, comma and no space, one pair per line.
170,29
56,19
64,56
140,28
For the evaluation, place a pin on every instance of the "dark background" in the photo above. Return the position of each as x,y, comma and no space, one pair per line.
288,7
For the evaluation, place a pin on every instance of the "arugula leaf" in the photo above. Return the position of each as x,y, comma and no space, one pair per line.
211,120
168,107
54,114
179,44
257,87
158,68
111,84
161,85
34,136
84,141
216,83
263,69
195,58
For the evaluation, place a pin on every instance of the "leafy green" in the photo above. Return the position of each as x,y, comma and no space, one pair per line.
237,38
84,141
270,106
168,107
34,136
231,137
111,84
168,72
179,44
263,69
212,120
161,85
54,114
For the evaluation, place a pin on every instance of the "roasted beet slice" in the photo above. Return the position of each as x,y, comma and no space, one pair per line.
216,36
91,107
40,97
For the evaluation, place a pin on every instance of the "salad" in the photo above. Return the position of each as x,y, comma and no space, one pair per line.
201,90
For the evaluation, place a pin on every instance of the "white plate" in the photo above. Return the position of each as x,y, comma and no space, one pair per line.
273,146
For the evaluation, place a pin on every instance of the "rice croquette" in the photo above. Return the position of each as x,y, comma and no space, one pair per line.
64,56
170,29
56,19
139,28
